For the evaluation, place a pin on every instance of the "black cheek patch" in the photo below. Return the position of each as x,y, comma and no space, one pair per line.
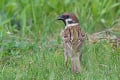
70,22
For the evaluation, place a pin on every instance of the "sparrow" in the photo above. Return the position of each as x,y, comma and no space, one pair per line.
73,38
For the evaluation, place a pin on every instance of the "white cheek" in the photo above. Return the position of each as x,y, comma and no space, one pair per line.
67,20
72,24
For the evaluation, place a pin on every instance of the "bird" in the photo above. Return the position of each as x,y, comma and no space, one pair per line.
73,38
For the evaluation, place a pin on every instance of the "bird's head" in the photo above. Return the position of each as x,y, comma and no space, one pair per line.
68,19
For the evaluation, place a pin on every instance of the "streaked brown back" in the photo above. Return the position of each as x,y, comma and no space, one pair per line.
75,36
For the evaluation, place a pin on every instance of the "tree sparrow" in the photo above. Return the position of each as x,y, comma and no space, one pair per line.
73,38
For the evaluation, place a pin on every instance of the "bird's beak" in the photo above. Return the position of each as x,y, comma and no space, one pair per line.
60,18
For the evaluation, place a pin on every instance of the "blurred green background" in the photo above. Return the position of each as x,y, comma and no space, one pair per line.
31,46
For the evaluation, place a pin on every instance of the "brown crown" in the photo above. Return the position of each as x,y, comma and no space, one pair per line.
72,16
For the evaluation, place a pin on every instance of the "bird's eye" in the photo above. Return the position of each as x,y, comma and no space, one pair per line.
67,16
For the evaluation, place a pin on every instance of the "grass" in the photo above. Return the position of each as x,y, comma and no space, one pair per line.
31,46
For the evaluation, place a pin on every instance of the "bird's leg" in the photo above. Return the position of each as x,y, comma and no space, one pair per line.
75,64
80,57
66,58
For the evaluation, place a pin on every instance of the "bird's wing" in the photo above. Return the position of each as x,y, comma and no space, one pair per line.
74,36
77,37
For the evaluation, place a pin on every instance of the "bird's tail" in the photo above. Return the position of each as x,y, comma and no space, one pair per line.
75,64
